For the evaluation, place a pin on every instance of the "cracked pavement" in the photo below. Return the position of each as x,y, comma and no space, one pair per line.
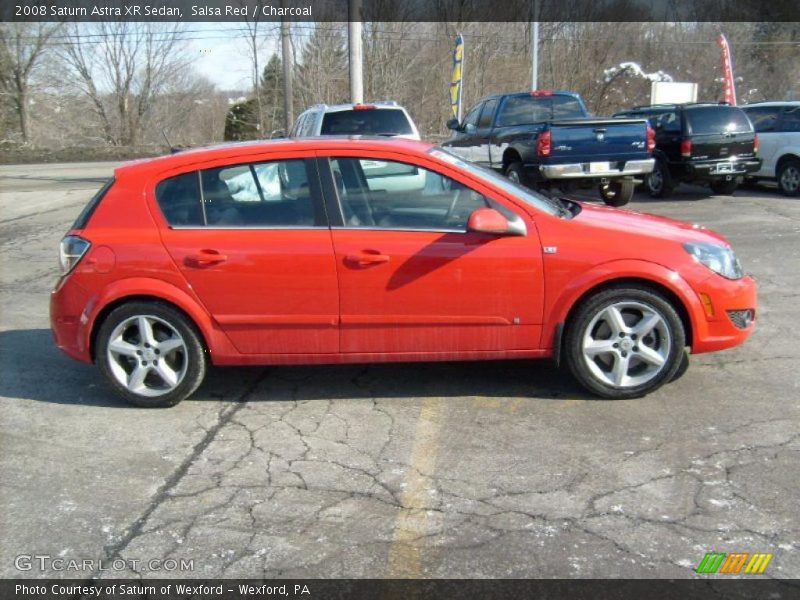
492,469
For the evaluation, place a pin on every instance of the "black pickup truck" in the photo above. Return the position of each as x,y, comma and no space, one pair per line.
546,139
703,143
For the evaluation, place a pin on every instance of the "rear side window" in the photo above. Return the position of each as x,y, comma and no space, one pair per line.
521,110
88,210
717,119
271,194
791,120
179,199
764,118
366,122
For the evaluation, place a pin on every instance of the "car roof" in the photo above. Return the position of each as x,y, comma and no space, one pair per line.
241,150
773,103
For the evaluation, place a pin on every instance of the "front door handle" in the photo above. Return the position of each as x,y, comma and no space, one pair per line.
366,258
205,258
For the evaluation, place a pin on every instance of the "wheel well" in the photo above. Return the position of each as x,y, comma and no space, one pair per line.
664,291
510,156
784,159
108,308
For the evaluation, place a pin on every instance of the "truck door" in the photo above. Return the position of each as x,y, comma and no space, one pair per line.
481,151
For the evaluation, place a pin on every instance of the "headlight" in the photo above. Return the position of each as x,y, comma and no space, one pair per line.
71,251
716,257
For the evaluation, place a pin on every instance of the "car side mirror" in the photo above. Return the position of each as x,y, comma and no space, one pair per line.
453,124
489,220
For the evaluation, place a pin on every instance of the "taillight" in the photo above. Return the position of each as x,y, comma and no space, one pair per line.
755,144
651,139
543,147
71,251
686,148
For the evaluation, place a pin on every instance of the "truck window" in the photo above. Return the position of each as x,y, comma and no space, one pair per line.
522,110
487,113
472,116
567,107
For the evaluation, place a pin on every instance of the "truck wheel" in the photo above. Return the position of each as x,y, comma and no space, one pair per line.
789,177
516,173
659,183
617,193
721,187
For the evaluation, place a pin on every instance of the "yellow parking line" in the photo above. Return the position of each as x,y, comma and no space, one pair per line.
405,553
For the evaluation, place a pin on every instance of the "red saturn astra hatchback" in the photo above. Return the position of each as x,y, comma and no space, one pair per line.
359,250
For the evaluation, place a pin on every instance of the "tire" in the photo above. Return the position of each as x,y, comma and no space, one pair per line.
659,182
516,173
788,175
171,352
618,192
614,366
722,187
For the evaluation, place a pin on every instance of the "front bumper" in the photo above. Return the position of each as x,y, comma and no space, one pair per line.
598,170
718,322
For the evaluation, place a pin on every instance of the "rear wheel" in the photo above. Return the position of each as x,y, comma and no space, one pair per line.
618,192
658,182
624,342
151,354
516,173
723,187
789,177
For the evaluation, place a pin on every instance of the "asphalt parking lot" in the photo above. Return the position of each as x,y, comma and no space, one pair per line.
502,469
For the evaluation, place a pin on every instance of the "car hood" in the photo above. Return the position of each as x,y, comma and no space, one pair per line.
634,222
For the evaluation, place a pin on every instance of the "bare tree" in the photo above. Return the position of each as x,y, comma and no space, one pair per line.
22,45
123,68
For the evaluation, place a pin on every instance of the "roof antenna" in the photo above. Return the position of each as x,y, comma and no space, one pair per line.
172,149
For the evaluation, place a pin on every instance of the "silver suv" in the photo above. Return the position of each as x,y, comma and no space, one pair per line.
377,118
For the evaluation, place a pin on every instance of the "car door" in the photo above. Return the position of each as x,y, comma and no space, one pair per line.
253,243
463,142
413,280
483,135
765,120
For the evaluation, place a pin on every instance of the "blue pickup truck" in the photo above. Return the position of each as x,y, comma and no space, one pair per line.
547,139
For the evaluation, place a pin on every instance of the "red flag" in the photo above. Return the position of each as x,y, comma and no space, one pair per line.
727,71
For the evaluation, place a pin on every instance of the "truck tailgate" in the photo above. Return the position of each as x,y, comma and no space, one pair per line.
592,140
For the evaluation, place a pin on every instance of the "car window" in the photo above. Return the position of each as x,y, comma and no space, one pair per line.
395,195
298,126
271,194
717,119
487,113
369,121
763,118
521,110
668,121
791,119
308,125
180,201
566,107
472,116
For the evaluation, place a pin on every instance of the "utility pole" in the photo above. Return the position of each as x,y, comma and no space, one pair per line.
288,71
355,52
535,47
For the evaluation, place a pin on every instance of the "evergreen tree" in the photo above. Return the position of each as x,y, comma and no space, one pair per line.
241,122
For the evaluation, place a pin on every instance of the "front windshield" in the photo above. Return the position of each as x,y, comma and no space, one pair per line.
518,191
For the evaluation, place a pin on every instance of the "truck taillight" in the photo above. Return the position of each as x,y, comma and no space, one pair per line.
755,144
543,144
651,139
686,148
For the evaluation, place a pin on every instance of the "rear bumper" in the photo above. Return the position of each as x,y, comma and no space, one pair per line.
68,319
719,324
596,170
722,169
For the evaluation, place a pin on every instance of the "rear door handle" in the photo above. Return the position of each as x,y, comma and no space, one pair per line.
367,257
205,258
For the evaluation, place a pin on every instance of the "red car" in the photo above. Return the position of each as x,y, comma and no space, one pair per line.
361,250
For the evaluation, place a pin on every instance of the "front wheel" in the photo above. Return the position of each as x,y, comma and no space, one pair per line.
151,354
618,192
624,342
721,187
